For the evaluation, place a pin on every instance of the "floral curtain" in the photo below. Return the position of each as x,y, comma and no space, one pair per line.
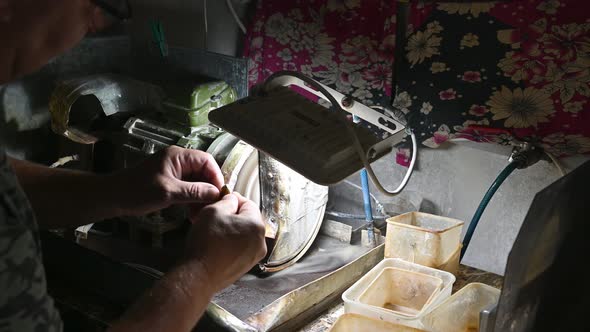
502,72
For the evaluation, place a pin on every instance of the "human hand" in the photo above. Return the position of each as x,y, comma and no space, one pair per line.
227,238
171,176
225,241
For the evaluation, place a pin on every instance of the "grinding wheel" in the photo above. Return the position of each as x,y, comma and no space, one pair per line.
292,205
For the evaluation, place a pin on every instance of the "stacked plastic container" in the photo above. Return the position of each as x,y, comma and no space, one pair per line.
410,290
425,239
356,323
412,280
460,312
399,292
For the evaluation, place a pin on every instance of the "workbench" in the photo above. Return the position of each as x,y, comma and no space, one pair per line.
96,303
466,275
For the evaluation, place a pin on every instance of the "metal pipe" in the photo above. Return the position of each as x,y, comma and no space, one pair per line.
367,200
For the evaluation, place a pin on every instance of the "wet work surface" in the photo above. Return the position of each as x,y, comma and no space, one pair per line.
252,293
253,296
262,301
466,275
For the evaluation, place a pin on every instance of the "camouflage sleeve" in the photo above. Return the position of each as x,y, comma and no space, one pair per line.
24,302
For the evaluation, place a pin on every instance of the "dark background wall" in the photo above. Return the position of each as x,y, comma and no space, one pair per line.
452,179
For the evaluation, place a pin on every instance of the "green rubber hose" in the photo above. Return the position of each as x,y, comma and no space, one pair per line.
484,203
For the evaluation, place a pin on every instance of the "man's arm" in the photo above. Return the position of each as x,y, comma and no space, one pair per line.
175,303
226,240
66,198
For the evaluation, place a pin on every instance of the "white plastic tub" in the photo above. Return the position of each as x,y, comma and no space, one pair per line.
358,323
460,312
351,297
401,291
422,238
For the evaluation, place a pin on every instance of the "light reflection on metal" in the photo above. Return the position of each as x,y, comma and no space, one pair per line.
229,322
114,93
294,206
287,308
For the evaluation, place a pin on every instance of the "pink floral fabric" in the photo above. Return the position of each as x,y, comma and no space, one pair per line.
501,72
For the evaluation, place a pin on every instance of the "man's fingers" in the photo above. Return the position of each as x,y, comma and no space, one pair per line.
200,166
228,204
241,199
246,206
193,192
250,209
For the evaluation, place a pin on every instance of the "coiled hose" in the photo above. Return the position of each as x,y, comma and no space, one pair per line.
484,203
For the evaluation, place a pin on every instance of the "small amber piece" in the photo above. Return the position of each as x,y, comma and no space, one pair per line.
224,191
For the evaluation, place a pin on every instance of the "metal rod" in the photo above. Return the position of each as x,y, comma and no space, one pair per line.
367,200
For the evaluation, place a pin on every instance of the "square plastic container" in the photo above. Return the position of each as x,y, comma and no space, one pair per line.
452,264
401,291
352,295
460,312
422,238
356,323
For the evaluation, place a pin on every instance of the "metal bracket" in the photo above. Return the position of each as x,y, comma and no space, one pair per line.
348,104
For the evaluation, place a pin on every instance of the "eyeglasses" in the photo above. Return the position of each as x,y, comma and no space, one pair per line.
117,8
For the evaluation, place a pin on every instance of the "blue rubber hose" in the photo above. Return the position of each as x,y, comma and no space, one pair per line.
367,205
484,203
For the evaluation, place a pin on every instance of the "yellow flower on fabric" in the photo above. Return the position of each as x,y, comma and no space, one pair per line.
578,143
466,8
560,144
549,6
574,106
508,63
567,81
470,40
343,5
422,45
434,27
565,42
521,108
438,67
281,28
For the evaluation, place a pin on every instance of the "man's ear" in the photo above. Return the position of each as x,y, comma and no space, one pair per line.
98,20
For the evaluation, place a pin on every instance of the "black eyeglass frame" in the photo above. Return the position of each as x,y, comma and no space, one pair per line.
110,9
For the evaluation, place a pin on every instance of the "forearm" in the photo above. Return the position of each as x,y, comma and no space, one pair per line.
66,198
175,303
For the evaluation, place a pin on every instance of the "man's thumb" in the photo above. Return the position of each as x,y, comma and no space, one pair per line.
195,192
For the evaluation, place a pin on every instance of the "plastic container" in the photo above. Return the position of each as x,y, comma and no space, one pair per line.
401,291
352,295
356,323
460,312
422,238
452,264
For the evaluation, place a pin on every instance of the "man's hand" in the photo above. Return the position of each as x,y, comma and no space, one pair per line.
227,238
172,176
67,198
